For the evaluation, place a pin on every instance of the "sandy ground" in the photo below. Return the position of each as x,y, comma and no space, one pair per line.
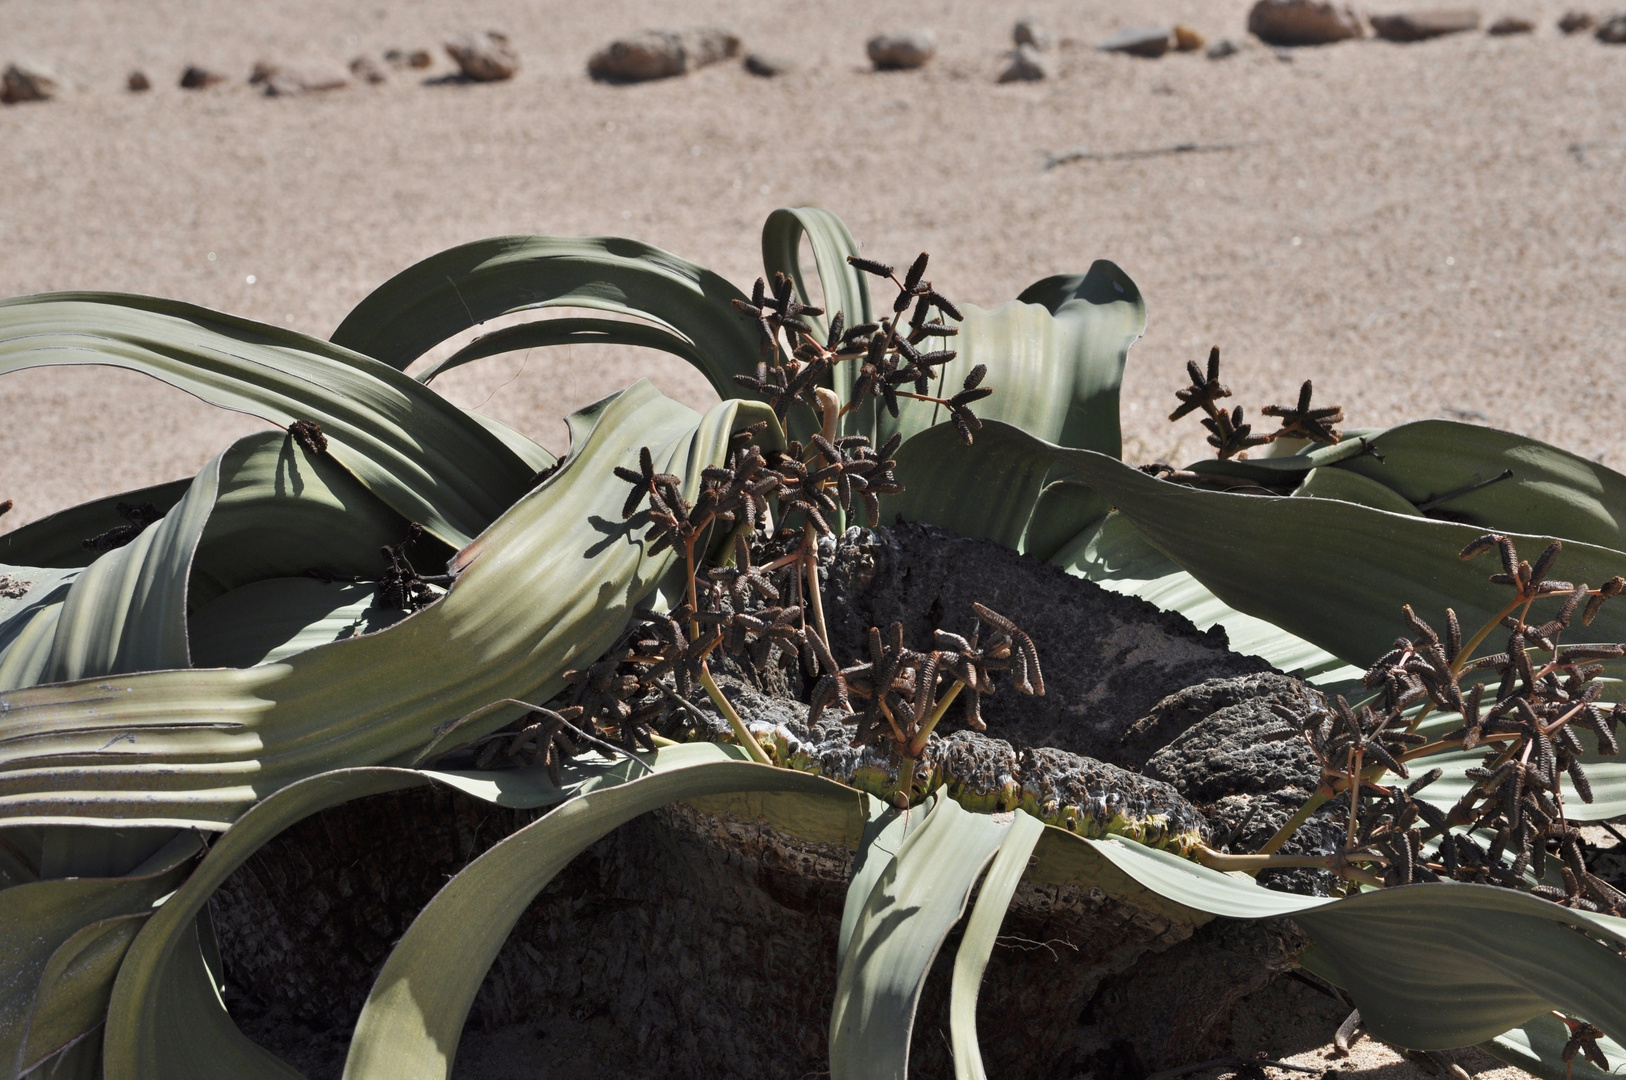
1411,226
1405,224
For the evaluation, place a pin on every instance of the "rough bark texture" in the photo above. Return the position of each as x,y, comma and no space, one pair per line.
1107,659
686,945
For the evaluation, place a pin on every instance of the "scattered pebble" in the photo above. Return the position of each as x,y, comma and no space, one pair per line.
24,81
661,54
1574,22
280,81
767,65
197,78
1612,31
401,58
903,51
1030,33
1222,48
137,82
1187,39
484,57
1511,24
1411,26
363,68
1303,22
1025,64
1147,41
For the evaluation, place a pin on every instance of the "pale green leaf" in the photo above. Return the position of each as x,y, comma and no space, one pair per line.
418,452
909,911
447,293
38,918
58,540
1551,491
981,931
545,333
546,588
274,619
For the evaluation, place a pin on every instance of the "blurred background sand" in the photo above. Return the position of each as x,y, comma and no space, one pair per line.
1413,227
1406,224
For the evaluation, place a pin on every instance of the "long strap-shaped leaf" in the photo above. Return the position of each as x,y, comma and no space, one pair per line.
1430,966
549,332
127,610
71,1000
44,586
281,512
995,489
58,540
418,452
1293,561
38,918
410,1026
981,931
548,586
843,286
447,293
905,918
1550,490
885,831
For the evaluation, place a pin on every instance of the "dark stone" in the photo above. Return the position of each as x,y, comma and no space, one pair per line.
661,54
902,51
766,65
1612,31
1510,24
197,78
1574,22
1303,22
1107,659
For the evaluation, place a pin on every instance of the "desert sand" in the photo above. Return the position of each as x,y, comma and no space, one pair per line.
1433,229
1408,225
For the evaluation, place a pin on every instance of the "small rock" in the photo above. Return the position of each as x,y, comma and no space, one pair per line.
1510,24
138,82
363,68
1411,26
1222,48
484,58
400,58
261,71
1186,39
1025,65
197,78
661,54
1303,22
766,65
1612,31
28,82
1147,41
1030,33
1574,22
902,52
291,81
